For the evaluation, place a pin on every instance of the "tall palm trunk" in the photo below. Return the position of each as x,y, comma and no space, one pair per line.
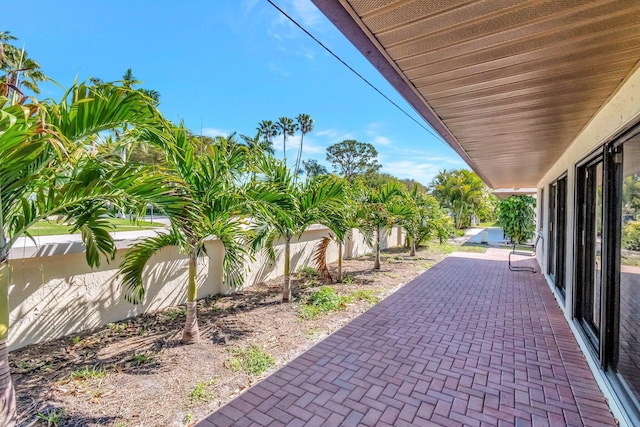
413,246
376,264
339,275
7,393
286,290
284,147
191,332
299,156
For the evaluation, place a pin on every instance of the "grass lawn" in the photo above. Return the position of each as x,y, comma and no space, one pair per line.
488,224
50,228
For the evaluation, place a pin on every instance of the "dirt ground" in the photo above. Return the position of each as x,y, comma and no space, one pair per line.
137,373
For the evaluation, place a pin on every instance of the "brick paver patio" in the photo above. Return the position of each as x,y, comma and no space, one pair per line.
466,343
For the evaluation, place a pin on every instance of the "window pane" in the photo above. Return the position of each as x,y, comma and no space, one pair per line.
597,277
629,339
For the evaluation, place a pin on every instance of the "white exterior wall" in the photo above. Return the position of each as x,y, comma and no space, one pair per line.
55,293
622,110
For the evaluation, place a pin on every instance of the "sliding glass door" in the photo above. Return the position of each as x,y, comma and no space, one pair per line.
607,269
626,342
557,233
589,249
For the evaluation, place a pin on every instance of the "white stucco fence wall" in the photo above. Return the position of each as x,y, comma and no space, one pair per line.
55,293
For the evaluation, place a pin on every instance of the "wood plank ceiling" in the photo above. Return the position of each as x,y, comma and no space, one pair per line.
508,83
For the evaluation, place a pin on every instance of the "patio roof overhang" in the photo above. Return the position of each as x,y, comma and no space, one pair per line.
509,84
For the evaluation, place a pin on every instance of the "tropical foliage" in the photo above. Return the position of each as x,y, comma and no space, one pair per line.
213,183
517,218
287,208
378,209
464,194
105,148
47,171
424,219
631,236
20,71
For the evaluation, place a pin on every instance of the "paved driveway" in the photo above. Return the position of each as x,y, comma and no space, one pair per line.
466,343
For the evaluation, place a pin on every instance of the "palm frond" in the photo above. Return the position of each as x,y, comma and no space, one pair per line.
136,259
320,259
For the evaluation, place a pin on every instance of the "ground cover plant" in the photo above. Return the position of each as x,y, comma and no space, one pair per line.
136,372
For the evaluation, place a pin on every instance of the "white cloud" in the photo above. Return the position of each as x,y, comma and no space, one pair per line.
421,172
286,32
213,132
381,140
307,12
373,133
334,135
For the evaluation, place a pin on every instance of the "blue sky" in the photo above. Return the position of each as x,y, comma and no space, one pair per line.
223,66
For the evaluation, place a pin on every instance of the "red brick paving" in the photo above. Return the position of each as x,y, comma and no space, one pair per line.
466,343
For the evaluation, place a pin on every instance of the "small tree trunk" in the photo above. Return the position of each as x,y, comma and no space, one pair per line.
191,332
413,247
376,264
339,275
8,415
286,290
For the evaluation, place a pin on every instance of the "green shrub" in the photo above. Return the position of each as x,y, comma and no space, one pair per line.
517,218
199,392
306,272
366,295
631,236
324,300
53,416
348,280
88,373
253,360
308,312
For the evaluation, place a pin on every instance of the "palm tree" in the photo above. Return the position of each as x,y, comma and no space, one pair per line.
46,171
424,218
288,208
258,144
268,130
20,70
462,191
212,181
379,209
305,124
286,127
341,226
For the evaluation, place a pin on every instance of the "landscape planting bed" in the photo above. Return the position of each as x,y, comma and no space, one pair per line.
137,373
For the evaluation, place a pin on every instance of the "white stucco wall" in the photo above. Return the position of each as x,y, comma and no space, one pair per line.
55,293
622,110
618,114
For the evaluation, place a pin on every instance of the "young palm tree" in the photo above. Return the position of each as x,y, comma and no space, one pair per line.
268,129
286,127
46,171
305,124
462,191
341,225
424,219
290,208
379,209
212,180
